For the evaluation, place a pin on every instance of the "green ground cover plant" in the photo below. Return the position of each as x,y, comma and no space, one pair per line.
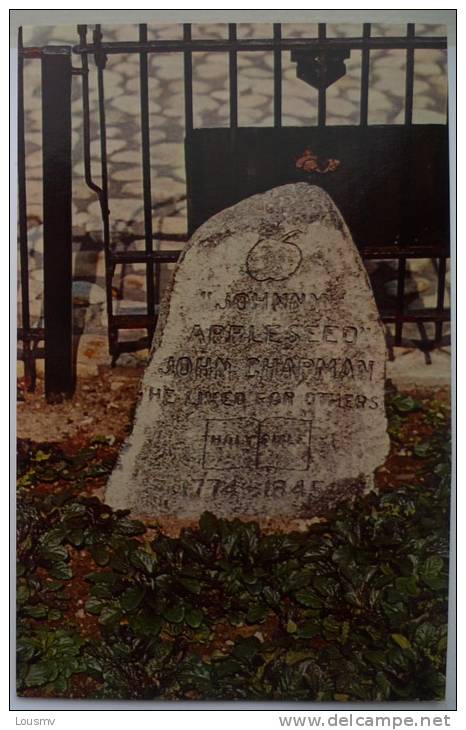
353,609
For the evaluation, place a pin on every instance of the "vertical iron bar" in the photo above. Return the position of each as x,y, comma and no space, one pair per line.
400,299
56,144
277,76
188,80
233,77
152,293
233,138
28,359
102,194
408,120
188,115
22,203
322,99
82,31
442,269
424,344
365,64
100,61
409,77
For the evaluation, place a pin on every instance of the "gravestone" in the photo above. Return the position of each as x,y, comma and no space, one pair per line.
264,394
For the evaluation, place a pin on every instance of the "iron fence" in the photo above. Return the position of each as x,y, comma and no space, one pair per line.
320,61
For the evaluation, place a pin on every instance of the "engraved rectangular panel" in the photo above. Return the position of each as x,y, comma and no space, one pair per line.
231,443
284,443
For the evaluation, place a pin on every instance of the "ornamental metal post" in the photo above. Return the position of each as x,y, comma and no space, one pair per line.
56,141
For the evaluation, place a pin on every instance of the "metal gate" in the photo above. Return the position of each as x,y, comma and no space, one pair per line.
412,206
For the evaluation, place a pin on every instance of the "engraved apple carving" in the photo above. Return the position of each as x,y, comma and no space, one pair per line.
273,259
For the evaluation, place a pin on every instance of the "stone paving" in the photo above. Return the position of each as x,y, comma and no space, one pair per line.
211,109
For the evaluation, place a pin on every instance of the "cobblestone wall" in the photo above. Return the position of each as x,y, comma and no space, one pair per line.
211,109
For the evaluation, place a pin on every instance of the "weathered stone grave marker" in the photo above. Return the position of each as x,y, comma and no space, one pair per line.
264,395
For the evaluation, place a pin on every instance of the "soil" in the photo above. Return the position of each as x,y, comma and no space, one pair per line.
102,405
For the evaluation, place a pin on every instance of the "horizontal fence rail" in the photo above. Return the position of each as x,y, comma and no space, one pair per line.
319,62
263,44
